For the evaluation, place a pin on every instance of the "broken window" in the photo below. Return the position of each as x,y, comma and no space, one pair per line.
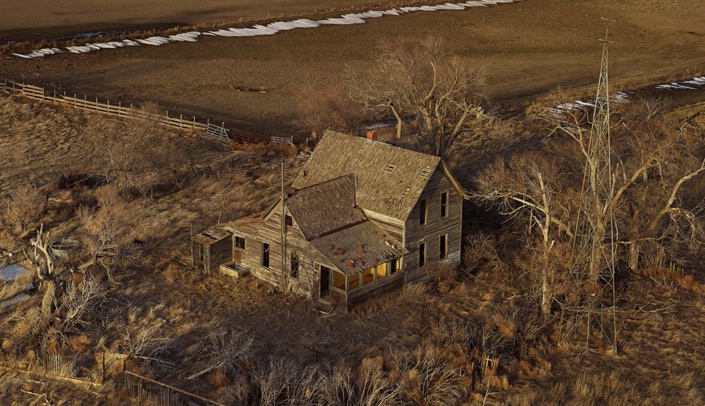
423,211
443,246
265,255
338,280
354,281
288,221
294,265
422,254
368,276
382,270
239,242
444,204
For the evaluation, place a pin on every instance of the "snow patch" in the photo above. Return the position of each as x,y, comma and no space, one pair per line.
257,30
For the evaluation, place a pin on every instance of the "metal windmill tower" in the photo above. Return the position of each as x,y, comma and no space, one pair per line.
597,232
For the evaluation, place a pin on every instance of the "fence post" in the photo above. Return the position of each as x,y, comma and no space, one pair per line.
102,369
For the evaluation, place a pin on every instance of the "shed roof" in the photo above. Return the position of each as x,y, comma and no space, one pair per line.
389,179
212,235
325,207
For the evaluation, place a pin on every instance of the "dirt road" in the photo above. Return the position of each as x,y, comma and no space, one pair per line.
523,48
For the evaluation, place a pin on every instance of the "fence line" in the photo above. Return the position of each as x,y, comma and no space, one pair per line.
142,387
51,369
217,131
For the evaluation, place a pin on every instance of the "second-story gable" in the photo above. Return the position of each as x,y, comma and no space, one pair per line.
389,179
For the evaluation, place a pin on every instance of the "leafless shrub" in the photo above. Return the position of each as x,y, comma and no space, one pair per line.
424,377
223,350
26,332
23,208
480,252
80,302
145,345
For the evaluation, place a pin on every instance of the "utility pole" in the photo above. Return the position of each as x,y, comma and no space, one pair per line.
285,273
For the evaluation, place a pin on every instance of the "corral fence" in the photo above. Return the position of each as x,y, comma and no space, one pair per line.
117,109
52,367
144,389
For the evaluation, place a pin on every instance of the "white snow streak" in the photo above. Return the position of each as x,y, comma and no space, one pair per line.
257,30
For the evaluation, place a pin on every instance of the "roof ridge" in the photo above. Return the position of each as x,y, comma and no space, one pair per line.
350,175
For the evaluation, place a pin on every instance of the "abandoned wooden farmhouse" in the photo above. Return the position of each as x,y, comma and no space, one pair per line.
364,217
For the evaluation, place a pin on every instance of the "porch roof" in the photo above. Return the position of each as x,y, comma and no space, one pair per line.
359,247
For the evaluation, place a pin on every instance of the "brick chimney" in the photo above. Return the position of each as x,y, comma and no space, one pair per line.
372,135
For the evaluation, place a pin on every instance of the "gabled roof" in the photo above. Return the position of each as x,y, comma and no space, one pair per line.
389,179
325,207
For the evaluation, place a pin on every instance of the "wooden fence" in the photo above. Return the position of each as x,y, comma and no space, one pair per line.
217,131
142,388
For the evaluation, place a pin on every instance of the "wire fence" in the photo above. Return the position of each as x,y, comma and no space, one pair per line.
219,132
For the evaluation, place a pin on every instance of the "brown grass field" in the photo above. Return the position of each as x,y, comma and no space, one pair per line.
523,49
425,344
660,324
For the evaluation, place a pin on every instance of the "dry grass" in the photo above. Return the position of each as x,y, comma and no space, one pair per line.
469,335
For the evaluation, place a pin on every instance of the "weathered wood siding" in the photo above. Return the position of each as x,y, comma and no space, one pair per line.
306,283
435,226
220,253
394,227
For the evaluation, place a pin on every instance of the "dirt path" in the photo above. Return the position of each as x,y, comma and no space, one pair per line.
523,48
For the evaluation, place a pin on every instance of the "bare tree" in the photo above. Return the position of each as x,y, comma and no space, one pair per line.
326,108
653,158
108,232
529,186
408,79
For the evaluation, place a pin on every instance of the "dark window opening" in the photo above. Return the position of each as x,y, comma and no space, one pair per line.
265,255
239,242
393,266
444,204
422,254
294,265
288,221
444,246
423,211
325,282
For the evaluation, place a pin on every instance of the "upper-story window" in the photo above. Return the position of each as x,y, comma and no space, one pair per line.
423,212
444,204
239,242
288,221
265,255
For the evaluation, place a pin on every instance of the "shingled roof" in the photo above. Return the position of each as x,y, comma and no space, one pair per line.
389,179
359,247
325,206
